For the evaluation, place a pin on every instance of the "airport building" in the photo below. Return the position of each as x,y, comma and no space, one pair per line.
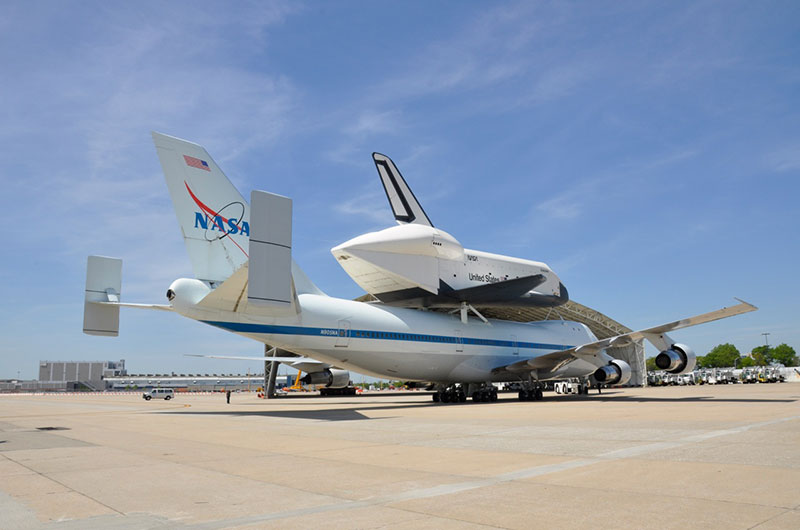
78,375
195,382
112,375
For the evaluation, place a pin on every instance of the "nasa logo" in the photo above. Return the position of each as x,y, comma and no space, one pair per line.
219,226
202,220
210,220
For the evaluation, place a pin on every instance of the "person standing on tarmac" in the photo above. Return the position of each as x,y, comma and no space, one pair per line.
228,396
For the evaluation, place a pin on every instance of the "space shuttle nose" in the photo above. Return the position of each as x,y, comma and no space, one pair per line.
411,240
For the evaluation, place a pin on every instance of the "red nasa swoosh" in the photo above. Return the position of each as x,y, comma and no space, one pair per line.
213,215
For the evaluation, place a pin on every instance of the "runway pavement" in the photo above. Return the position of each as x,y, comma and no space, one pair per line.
670,457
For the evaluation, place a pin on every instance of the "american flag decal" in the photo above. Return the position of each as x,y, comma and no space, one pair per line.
196,162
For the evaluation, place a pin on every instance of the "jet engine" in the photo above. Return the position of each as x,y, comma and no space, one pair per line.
330,377
616,372
679,359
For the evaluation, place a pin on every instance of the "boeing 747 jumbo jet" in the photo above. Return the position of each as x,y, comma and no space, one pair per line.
247,283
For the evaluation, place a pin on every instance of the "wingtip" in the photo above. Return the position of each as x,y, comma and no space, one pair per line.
748,304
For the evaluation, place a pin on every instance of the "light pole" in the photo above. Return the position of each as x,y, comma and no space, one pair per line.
766,339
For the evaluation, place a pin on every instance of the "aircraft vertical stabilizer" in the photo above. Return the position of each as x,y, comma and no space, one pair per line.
213,215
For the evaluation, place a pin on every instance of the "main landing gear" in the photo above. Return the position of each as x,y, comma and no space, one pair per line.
458,393
485,394
531,394
451,394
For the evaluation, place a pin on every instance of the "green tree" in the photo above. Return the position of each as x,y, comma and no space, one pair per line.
721,356
762,355
746,362
784,354
650,364
701,361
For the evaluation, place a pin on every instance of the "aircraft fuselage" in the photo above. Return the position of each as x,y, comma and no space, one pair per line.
407,344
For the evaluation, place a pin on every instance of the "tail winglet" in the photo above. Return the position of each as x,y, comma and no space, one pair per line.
103,284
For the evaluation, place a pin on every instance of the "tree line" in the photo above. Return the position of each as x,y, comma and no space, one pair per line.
727,355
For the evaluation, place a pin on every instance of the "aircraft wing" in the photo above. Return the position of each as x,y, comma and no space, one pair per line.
558,359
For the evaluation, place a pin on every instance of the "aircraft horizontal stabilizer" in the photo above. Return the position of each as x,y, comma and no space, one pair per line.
304,364
229,294
157,307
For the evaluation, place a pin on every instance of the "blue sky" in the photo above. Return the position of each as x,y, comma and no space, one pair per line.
648,152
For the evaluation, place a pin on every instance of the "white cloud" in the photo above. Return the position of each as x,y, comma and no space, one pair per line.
370,206
785,159
375,122
628,179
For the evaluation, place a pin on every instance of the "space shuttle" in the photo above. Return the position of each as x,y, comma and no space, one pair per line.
417,265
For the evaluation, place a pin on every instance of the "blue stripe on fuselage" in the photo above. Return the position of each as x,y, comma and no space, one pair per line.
239,327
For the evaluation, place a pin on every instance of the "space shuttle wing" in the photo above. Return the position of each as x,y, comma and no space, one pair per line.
405,206
492,292
589,351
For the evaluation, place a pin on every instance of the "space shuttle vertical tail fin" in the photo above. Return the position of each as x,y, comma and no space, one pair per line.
405,205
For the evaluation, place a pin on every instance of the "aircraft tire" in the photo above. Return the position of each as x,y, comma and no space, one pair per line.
538,394
436,397
445,398
462,397
493,395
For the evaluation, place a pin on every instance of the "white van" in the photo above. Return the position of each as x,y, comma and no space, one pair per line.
159,393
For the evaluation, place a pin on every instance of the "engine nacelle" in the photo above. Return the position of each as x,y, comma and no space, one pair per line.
331,378
679,359
616,372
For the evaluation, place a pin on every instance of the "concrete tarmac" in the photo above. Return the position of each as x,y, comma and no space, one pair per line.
671,457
